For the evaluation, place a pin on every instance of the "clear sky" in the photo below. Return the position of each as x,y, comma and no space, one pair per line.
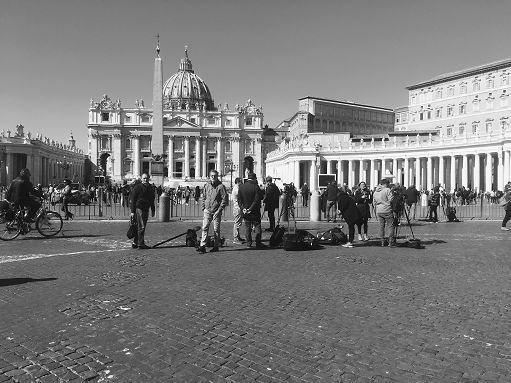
57,54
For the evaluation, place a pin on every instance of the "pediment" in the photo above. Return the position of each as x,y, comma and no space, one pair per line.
178,122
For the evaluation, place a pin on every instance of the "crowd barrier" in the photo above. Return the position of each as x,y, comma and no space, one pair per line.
479,209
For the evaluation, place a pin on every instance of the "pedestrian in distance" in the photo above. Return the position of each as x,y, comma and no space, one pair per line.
305,194
351,214
214,200
249,199
236,212
363,199
434,202
507,207
331,200
382,198
142,199
271,201
66,196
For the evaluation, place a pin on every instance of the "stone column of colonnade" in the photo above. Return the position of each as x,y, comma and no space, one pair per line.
204,158
296,174
198,150
186,170
170,157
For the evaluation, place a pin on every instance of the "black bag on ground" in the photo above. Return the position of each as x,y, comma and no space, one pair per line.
334,236
191,238
450,212
277,236
132,229
300,240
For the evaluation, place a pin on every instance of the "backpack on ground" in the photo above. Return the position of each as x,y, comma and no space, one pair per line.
334,236
300,240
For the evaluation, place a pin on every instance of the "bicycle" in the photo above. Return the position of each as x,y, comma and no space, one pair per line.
48,223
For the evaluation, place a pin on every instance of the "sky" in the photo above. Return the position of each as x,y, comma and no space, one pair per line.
55,55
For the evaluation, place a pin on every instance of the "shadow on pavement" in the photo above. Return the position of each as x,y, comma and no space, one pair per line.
64,236
19,281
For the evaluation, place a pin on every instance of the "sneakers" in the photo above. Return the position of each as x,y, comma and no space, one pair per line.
143,247
201,249
238,238
237,242
503,228
347,244
360,237
392,244
366,238
134,246
260,246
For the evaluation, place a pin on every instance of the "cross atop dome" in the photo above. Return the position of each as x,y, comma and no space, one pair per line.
186,63
158,44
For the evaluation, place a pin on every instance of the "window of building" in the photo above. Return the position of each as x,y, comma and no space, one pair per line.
145,143
127,119
463,108
421,97
228,146
475,127
490,82
228,122
438,94
461,130
489,101
463,88
428,114
476,85
127,166
450,90
179,144
193,120
248,121
488,126
128,143
438,113
397,118
211,121
449,131
413,100
248,146
105,116
105,143
450,111
145,118
504,125
475,104
504,79
504,98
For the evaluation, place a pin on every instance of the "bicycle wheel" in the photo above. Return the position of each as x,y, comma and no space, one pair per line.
49,224
9,230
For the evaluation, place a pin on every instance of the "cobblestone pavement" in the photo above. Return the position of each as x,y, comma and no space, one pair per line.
86,307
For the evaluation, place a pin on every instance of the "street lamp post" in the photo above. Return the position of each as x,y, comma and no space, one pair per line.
64,165
229,168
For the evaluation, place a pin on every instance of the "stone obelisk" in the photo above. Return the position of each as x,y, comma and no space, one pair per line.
157,131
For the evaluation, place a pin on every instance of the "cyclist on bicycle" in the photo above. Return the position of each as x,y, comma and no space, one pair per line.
23,195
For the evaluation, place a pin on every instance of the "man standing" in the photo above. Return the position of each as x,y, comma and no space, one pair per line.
142,198
249,199
382,198
331,200
305,194
236,212
271,201
214,200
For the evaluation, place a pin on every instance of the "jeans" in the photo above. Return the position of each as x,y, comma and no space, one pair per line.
506,218
271,218
329,206
141,217
433,215
256,225
386,224
238,220
208,217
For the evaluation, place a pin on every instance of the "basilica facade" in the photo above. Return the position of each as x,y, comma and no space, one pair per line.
180,138
455,131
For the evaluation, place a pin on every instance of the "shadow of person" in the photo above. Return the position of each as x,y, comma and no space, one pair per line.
18,281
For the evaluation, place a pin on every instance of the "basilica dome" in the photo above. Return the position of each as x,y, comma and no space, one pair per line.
185,90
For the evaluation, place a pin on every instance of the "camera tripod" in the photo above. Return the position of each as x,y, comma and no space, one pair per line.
407,216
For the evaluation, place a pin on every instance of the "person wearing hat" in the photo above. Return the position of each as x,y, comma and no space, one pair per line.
271,201
249,200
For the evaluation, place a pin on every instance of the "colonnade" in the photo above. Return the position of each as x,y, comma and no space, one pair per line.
478,171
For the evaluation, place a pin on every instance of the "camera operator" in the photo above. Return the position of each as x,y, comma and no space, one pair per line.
289,195
382,198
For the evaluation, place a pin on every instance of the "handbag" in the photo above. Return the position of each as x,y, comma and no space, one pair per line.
132,229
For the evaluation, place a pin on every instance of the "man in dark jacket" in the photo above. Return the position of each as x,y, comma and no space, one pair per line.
411,195
249,200
142,198
271,201
22,194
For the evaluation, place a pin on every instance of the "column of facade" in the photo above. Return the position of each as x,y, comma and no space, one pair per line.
197,157
429,173
218,156
313,176
464,171
170,157
329,167
350,174
360,171
205,157
441,171
117,156
296,173
418,181
235,145
136,155
258,169
186,170
339,172
394,170
453,173
407,171
477,172
500,171
488,177
373,179
507,165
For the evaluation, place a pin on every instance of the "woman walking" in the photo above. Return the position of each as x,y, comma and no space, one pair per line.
66,195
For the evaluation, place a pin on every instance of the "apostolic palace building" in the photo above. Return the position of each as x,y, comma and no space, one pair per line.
181,137
454,132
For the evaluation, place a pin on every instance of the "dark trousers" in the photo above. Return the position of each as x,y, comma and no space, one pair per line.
32,207
141,216
363,223
506,218
433,215
305,200
256,225
351,232
271,218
